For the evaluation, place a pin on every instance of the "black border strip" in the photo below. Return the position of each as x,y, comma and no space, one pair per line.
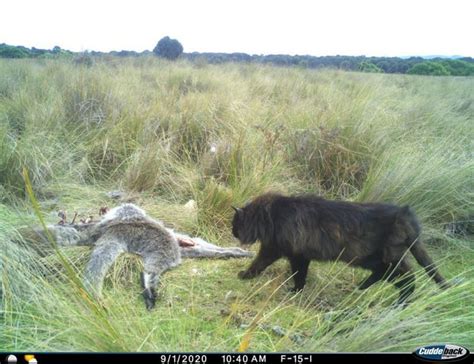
220,358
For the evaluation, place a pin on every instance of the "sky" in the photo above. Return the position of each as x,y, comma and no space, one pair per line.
317,27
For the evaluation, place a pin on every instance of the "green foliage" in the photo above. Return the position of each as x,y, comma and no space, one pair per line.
450,67
168,48
172,49
429,68
7,51
458,67
369,67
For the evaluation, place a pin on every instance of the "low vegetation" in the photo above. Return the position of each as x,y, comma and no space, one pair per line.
172,49
167,133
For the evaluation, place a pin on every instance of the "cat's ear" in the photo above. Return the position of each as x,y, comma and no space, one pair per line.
237,210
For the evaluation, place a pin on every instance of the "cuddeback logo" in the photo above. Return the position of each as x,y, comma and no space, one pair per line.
441,352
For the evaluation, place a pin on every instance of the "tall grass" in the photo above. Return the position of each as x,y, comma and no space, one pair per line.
166,133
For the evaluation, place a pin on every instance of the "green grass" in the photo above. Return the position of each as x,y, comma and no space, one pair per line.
147,127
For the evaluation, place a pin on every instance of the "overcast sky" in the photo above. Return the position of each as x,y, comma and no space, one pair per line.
318,27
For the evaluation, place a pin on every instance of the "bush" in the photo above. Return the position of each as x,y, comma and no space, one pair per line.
459,68
7,51
428,68
168,48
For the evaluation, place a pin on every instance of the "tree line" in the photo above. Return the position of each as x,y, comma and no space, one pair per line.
172,49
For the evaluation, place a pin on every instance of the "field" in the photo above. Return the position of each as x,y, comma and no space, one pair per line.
167,133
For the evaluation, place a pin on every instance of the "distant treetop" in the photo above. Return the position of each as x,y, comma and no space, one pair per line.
168,48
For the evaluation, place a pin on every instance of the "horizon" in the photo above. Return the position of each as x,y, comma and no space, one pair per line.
326,28
429,56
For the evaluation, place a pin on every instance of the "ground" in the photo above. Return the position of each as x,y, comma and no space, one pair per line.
166,133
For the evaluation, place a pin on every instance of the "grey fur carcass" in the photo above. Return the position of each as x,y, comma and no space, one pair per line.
128,229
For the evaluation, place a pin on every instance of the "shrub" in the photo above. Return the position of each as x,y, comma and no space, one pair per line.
428,68
168,48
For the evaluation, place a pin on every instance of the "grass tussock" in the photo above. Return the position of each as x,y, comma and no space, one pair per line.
168,133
